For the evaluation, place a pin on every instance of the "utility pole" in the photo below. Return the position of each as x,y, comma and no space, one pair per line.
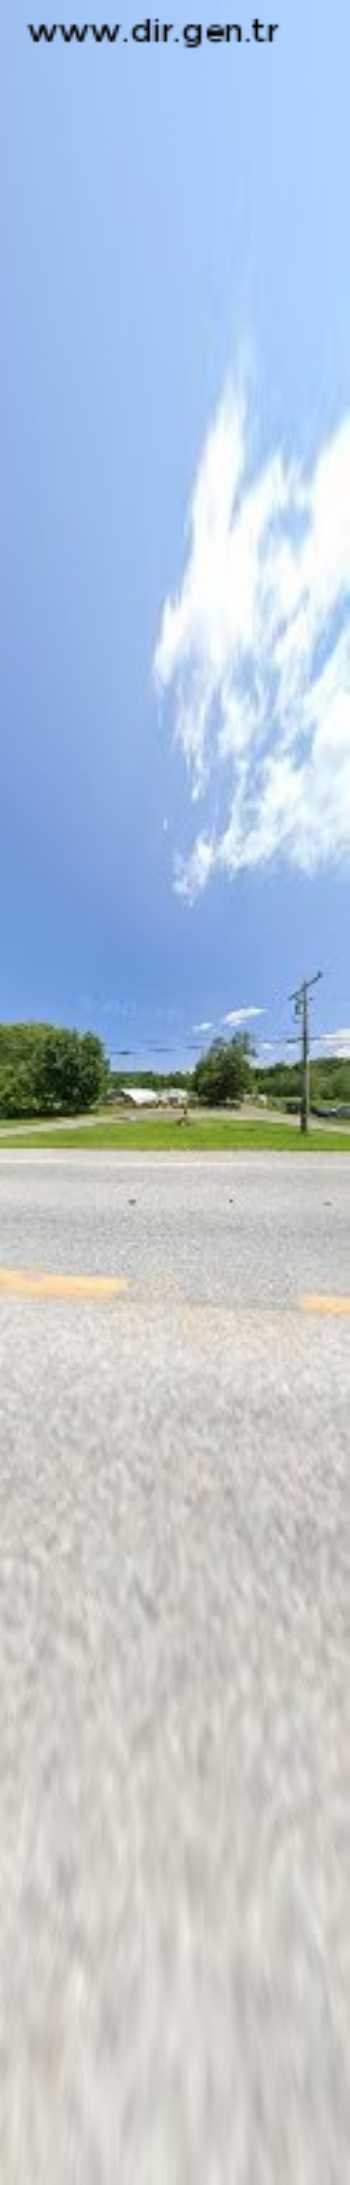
301,1009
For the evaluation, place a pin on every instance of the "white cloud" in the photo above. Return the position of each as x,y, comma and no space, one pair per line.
205,1027
240,1016
336,1043
255,650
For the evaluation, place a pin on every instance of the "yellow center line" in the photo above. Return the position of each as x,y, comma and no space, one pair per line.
21,1282
26,1282
335,1305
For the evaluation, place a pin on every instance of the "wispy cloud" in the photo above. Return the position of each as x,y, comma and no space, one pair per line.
240,1016
255,651
205,1027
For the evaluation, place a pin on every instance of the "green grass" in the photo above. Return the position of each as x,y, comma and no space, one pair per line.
207,1134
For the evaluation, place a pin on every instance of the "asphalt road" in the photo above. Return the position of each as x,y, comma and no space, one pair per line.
175,1692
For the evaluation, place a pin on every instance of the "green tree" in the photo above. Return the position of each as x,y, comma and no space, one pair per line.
93,1069
46,1070
224,1072
70,1072
16,1089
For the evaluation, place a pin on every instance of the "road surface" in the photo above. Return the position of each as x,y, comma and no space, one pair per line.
174,1612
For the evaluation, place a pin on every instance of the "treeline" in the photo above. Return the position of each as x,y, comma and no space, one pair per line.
329,1080
48,1070
154,1080
228,1071
45,1070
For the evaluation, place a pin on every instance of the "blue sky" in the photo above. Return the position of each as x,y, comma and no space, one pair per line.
174,247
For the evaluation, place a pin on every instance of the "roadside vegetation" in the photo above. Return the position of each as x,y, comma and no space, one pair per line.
45,1070
52,1074
230,1072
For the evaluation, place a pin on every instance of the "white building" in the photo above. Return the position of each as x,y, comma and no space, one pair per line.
140,1096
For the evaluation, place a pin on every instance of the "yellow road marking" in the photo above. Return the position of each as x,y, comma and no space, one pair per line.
330,1305
23,1282
20,1282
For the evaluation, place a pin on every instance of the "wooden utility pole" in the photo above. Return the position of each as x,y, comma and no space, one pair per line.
301,1009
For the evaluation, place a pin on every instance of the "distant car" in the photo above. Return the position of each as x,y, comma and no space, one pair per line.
342,1110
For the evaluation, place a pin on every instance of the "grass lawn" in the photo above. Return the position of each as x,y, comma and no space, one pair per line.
207,1134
